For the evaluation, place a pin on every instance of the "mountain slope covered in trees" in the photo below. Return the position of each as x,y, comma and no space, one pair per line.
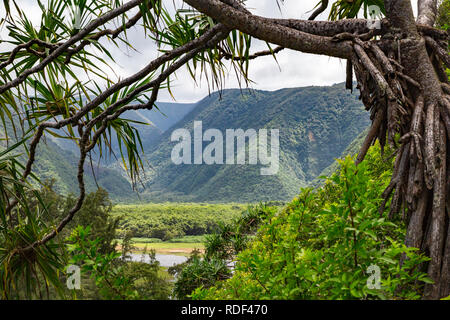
316,124
153,123
56,159
57,168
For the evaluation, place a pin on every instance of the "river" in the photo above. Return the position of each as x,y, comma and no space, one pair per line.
165,260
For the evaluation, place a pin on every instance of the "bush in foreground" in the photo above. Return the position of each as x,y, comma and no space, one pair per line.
329,243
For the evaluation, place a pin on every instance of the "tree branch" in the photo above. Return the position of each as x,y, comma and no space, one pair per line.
270,31
114,33
66,45
258,54
329,28
27,46
209,39
441,52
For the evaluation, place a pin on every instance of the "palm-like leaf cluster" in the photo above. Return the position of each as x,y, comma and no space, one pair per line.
57,78
349,9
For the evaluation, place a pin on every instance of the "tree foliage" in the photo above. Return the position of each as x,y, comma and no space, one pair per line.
322,244
221,248
399,68
171,220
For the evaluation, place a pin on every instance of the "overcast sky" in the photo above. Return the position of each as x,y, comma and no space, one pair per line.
294,69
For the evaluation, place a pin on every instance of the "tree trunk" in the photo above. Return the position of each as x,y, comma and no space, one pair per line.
429,222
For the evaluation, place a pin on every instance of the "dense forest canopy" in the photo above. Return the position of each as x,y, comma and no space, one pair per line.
400,67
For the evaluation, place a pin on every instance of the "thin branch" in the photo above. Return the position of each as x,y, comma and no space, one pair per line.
66,45
113,33
433,32
441,52
322,8
258,54
408,79
27,46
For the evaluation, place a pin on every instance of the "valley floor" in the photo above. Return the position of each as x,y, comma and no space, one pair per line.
175,248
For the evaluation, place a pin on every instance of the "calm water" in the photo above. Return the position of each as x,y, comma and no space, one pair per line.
165,260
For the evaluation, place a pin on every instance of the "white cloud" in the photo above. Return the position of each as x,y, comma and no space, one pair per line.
294,70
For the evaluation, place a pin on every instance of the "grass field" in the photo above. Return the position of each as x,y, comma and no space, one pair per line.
176,246
169,248
184,239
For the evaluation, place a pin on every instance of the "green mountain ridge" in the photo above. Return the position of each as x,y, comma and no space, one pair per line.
56,159
316,125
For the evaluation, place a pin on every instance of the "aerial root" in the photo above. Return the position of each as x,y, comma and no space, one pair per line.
445,88
420,186
440,51
429,148
445,115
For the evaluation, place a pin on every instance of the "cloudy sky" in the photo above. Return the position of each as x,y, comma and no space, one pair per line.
294,69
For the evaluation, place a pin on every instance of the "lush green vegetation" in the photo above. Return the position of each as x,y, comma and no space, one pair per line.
88,241
177,246
184,239
220,249
320,246
443,16
166,247
114,277
336,240
173,220
189,239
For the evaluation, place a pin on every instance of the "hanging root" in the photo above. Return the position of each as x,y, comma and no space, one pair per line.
420,184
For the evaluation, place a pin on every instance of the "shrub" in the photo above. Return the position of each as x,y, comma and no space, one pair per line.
329,243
